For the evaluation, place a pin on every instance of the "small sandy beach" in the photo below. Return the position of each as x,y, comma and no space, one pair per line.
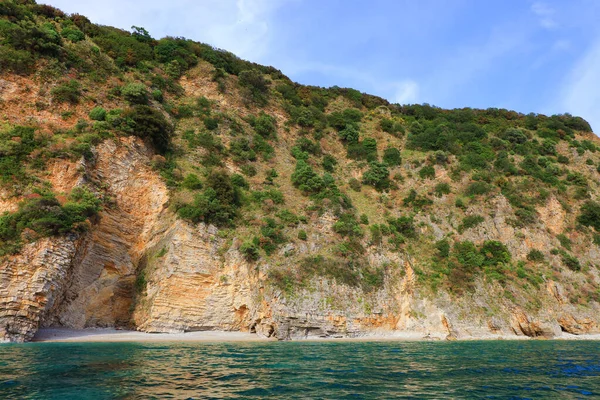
116,335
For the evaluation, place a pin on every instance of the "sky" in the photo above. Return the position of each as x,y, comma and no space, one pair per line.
525,55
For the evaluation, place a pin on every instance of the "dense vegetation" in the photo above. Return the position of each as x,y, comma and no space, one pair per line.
43,215
281,164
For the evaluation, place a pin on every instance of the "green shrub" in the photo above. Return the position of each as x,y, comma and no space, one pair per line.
305,178
271,236
570,262
148,123
365,150
441,189
98,114
67,92
265,125
211,123
443,248
564,241
203,105
377,176
404,225
341,120
494,253
386,125
255,85
470,221
239,181
503,164
589,215
416,200
427,172
364,219
308,146
271,194
73,34
242,151
125,49
250,251
391,127
288,218
352,115
350,133
515,136
476,156
248,170
45,216
218,204
158,95
391,156
348,226
298,154
302,234
355,184
17,61
329,162
135,93
192,182
439,157
468,256
270,175
15,146
478,189
535,256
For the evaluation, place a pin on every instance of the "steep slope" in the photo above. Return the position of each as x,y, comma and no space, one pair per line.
167,186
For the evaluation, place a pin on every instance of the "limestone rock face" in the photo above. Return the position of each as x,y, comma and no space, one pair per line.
30,283
87,281
192,287
100,290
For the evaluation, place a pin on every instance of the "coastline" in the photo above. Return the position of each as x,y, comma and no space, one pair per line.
110,335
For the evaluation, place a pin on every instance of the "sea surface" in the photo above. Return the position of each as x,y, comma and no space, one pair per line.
302,370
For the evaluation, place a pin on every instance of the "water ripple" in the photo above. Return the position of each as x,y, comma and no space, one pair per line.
311,370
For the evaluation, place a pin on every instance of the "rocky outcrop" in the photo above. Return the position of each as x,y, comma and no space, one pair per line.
30,284
191,286
101,288
577,326
88,281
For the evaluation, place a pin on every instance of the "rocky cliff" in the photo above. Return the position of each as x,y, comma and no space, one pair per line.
173,187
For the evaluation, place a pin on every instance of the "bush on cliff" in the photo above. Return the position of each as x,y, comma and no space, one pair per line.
590,215
148,123
43,215
218,204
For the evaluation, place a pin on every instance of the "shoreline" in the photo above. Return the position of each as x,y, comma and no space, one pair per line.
111,335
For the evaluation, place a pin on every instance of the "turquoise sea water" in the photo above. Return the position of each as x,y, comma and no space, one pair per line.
293,370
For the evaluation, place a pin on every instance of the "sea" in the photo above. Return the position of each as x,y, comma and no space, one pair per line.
302,370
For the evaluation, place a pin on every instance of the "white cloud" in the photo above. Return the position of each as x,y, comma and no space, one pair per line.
545,14
581,94
239,26
407,92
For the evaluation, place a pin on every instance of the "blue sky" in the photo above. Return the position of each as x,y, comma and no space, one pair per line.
530,56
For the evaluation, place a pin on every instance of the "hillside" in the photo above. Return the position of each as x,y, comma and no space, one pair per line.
168,186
